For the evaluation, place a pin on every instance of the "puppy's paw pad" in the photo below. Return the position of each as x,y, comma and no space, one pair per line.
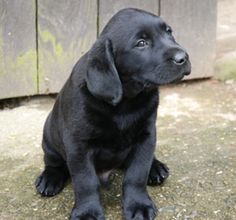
158,174
50,182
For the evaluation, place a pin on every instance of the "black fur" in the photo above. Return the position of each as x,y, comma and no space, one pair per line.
104,117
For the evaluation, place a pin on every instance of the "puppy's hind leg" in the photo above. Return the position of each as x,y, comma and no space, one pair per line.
158,173
52,180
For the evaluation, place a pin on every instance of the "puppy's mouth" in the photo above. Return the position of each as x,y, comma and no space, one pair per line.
177,79
157,81
163,75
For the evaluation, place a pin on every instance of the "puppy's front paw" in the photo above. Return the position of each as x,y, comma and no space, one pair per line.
51,181
139,207
87,212
158,174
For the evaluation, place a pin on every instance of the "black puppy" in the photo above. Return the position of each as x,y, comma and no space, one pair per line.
104,117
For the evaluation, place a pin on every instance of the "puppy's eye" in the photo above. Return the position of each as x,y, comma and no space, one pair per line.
168,30
141,43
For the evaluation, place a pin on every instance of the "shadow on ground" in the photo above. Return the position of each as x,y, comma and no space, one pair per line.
196,138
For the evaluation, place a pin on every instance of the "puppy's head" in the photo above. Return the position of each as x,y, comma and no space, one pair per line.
135,51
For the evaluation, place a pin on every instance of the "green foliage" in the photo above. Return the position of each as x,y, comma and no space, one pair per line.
226,70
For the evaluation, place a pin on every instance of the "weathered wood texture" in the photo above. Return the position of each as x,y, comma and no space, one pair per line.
194,25
18,72
107,8
66,30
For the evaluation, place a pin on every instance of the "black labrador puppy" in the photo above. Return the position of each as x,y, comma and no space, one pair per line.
104,117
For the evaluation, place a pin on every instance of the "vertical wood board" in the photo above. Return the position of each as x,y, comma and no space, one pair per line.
108,8
18,72
66,30
194,27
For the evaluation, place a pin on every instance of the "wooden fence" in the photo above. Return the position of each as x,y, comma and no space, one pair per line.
40,40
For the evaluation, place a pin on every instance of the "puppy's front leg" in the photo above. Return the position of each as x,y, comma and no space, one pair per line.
85,183
136,201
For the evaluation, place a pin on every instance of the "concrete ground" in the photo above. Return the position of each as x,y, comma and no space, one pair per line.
196,138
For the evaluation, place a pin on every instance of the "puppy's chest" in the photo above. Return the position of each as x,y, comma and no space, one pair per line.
122,129
126,122
117,140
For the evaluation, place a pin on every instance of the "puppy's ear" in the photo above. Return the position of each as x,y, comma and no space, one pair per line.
102,78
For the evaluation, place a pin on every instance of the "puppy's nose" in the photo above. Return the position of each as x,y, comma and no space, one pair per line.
179,58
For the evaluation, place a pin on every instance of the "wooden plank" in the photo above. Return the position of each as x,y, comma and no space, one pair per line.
66,29
18,72
108,8
194,25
